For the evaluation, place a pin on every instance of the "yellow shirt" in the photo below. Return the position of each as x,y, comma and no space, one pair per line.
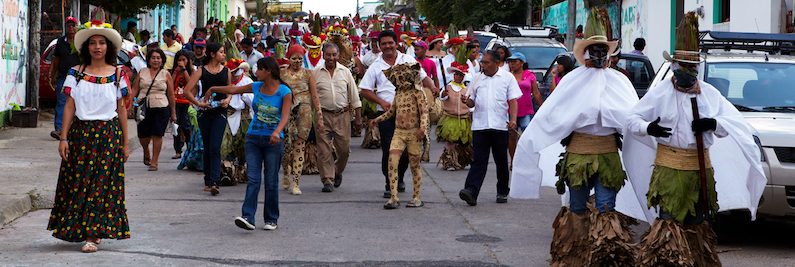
170,51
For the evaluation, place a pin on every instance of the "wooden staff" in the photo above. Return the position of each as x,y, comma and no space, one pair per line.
702,168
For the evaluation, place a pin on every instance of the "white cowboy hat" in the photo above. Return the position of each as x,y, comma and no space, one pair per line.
597,31
90,29
581,44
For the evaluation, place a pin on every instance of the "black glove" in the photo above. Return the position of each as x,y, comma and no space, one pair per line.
704,125
567,140
656,130
619,143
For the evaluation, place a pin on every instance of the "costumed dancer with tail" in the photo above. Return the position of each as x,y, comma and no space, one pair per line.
587,115
685,122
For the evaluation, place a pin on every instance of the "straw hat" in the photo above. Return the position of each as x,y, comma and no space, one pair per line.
597,31
686,46
96,27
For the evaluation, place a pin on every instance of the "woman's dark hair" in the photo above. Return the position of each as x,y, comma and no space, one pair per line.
270,65
212,48
433,45
152,52
110,53
504,49
567,63
388,33
189,56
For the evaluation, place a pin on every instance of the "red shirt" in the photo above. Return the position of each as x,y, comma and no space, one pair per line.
429,66
179,86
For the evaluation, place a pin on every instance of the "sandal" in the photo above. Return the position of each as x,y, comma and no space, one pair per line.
89,247
392,205
147,161
152,168
177,156
413,204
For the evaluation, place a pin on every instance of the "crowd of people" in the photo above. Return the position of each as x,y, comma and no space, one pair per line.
246,108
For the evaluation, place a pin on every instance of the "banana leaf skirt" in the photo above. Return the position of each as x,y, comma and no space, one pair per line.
89,198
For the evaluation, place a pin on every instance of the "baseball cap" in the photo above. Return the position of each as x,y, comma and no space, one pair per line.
199,42
517,55
71,19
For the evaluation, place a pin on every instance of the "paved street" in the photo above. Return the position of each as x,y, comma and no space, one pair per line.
174,223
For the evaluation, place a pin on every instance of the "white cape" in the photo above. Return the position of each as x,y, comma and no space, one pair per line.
584,97
736,159
238,104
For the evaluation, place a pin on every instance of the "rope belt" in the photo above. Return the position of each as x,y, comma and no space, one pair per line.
679,159
586,144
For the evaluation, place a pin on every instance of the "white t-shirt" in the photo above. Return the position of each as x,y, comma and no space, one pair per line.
252,59
374,78
239,35
370,58
491,95
95,97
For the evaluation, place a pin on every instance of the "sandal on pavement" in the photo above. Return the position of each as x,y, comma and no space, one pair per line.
413,204
152,168
147,161
392,205
177,156
89,247
206,189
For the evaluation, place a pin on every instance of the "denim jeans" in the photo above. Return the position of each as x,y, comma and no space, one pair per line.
212,125
524,121
264,159
60,103
605,197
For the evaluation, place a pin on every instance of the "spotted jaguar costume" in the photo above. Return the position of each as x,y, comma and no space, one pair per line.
410,108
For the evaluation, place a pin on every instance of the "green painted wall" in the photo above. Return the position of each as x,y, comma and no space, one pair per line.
5,118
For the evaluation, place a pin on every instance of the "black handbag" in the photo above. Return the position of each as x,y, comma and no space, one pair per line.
143,104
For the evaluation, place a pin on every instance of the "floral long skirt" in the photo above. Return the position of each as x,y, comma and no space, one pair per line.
194,153
89,198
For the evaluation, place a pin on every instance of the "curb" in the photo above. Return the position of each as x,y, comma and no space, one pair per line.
15,206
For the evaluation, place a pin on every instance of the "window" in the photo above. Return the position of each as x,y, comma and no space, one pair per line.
638,73
721,11
755,85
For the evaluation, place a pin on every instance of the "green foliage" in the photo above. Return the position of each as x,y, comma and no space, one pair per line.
129,8
475,13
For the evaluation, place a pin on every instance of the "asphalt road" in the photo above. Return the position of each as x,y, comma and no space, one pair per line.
174,223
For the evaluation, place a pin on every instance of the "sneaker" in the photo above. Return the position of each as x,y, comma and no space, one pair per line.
243,223
337,180
214,191
502,199
55,135
328,188
295,191
467,196
269,226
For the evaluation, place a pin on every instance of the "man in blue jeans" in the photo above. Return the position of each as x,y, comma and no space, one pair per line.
64,58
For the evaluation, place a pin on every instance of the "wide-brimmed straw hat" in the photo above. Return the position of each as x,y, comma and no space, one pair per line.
93,28
686,45
597,31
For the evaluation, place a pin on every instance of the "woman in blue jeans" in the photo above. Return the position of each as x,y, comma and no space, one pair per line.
264,146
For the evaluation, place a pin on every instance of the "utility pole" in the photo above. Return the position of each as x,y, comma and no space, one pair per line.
200,9
34,40
571,32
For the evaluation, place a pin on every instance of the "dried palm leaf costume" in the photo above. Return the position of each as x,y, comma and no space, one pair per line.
410,109
372,137
587,111
455,125
682,236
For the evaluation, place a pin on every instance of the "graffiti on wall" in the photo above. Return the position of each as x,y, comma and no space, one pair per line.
557,15
14,28
633,23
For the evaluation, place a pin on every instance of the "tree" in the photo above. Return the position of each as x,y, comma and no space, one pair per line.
475,13
129,8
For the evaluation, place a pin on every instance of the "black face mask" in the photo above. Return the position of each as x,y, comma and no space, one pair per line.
685,78
598,55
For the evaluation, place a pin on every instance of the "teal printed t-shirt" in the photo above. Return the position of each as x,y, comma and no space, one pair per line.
267,110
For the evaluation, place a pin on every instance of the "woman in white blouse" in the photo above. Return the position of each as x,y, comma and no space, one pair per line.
89,199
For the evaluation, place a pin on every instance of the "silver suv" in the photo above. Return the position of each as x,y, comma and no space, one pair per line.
760,82
539,51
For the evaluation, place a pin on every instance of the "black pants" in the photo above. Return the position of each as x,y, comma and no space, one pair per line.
387,130
482,142
183,128
212,126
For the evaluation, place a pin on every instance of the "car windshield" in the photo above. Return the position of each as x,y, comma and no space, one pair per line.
538,57
483,39
755,86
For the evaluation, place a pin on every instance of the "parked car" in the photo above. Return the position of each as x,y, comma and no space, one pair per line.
639,68
482,36
538,51
754,76
128,51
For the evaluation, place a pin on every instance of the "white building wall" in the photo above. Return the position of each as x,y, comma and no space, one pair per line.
651,20
237,8
187,19
753,16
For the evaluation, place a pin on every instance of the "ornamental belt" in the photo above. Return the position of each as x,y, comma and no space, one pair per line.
679,158
586,144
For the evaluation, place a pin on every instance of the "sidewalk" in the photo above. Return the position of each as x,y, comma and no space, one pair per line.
29,163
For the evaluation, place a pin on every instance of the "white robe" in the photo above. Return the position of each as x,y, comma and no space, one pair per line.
585,97
238,104
736,160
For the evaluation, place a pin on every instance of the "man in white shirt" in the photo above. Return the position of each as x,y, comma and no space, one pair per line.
249,54
374,79
493,95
